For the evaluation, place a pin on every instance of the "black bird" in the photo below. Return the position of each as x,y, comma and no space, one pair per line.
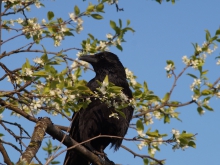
95,120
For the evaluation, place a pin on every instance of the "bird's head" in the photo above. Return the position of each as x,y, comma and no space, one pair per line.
105,63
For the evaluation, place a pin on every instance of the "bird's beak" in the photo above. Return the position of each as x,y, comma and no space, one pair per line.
89,58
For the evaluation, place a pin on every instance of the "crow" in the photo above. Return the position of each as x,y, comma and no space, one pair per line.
94,120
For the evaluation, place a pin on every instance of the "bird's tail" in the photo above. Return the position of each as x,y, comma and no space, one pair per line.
73,158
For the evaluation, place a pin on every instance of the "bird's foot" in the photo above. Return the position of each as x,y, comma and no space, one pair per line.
100,153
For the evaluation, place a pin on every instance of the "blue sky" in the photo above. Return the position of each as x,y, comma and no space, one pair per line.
163,32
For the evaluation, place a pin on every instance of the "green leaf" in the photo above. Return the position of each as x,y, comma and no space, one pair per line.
139,125
166,119
186,135
128,22
40,74
192,144
146,161
206,92
137,93
113,25
119,47
55,162
68,33
121,113
44,57
159,1
76,10
205,72
152,97
145,87
208,35
166,97
115,89
27,63
200,110
192,75
100,7
2,109
152,134
106,80
90,8
91,36
170,62
207,107
217,32
50,15
96,16
120,23
129,28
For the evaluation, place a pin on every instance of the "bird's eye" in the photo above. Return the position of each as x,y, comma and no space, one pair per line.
102,57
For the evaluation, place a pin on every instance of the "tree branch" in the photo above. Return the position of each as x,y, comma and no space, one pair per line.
5,155
142,156
35,143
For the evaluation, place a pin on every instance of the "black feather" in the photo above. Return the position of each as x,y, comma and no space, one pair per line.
95,120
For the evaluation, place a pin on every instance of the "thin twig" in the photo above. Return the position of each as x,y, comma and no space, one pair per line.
5,155
142,156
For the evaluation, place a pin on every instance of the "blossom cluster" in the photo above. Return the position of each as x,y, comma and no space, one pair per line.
200,58
130,76
33,28
78,20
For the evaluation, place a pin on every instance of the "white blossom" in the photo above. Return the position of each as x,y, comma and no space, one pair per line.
157,114
218,62
73,17
195,97
36,104
152,151
218,94
79,21
185,60
197,81
141,133
109,36
1,116
79,28
175,132
72,96
43,21
160,141
118,41
141,145
85,64
88,47
38,60
198,48
57,43
28,71
114,115
202,112
102,44
79,54
37,4
11,22
19,20
123,96
74,77
74,65
209,51
195,64
169,75
169,67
